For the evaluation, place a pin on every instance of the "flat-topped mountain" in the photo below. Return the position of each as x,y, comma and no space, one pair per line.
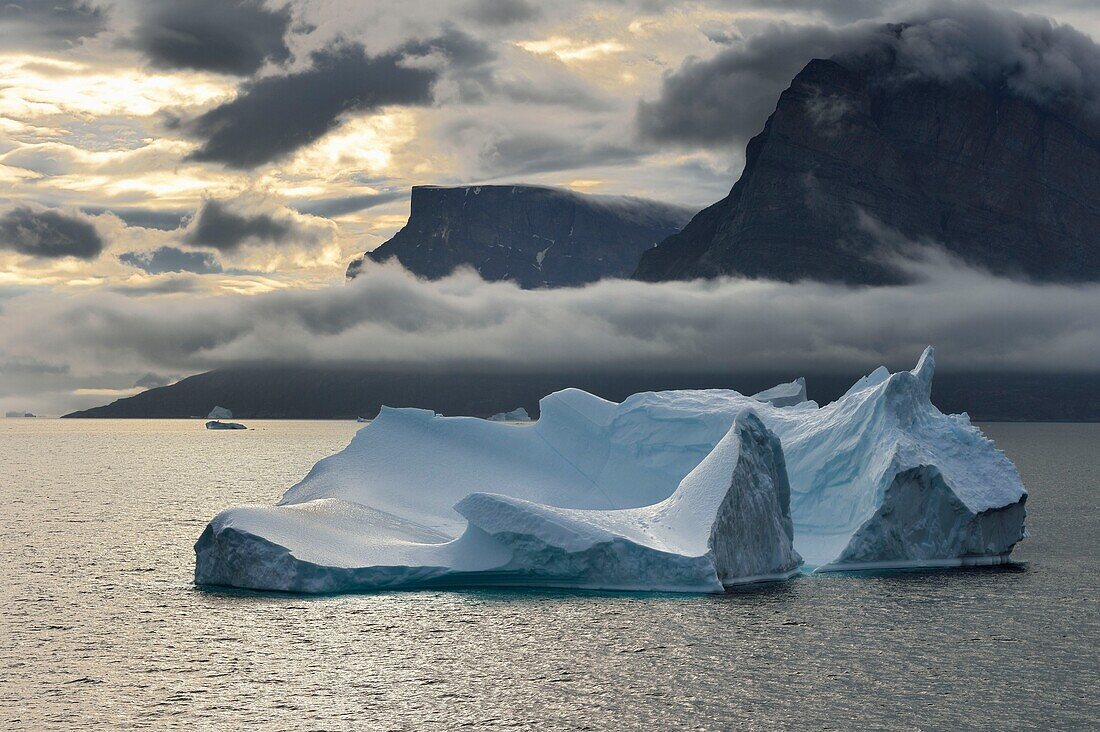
535,236
862,160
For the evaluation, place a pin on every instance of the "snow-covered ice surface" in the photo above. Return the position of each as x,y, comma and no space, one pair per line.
881,478
421,500
678,490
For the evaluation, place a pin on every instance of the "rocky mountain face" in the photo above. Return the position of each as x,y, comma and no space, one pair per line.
859,164
535,236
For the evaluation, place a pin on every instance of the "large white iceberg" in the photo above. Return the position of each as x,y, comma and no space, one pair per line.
678,490
727,522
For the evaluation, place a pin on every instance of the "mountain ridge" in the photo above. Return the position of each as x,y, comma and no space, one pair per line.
537,236
856,167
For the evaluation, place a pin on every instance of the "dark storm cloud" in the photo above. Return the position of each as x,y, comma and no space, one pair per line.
49,234
460,49
274,116
461,59
1031,56
726,99
224,36
501,12
171,259
48,24
219,227
144,218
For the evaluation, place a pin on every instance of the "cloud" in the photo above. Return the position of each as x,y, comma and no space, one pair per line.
273,116
171,259
501,12
170,285
457,47
224,36
218,226
387,317
1029,55
49,233
49,24
342,205
844,11
145,218
725,99
151,381
494,149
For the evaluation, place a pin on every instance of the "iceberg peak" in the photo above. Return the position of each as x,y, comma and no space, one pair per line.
926,367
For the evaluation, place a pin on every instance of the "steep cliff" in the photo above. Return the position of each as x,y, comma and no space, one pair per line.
535,236
862,161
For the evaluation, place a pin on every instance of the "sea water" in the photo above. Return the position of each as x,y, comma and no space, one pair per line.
101,626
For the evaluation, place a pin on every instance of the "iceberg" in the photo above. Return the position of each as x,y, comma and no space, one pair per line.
784,395
687,491
215,424
518,414
880,478
220,413
382,516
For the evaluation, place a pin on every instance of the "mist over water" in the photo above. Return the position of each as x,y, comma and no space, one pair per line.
102,626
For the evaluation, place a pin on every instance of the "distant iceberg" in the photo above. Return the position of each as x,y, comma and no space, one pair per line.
220,413
215,424
784,395
681,491
518,414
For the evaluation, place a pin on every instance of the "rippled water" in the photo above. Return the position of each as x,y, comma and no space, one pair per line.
101,627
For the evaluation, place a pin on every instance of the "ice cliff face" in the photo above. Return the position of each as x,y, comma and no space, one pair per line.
860,159
532,235
680,490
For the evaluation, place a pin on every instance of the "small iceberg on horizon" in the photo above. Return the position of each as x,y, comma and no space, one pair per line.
220,413
215,424
688,491
784,395
519,414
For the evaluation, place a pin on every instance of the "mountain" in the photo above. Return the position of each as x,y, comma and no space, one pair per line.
860,162
334,392
535,236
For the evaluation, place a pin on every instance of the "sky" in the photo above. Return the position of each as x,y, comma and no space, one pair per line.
182,184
